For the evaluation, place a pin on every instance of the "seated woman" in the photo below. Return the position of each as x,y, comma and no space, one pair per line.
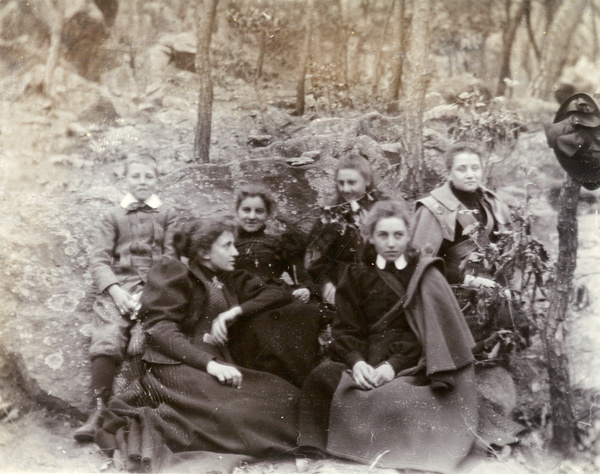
400,386
336,241
193,397
283,341
440,221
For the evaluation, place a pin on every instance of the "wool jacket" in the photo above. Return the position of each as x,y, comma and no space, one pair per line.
436,219
127,243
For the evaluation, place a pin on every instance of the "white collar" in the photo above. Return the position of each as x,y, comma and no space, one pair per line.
400,262
153,201
355,206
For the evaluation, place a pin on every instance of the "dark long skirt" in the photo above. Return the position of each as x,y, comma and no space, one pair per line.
402,424
177,408
282,341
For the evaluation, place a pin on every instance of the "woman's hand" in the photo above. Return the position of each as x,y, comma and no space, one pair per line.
478,282
364,375
303,294
226,374
219,325
123,300
383,374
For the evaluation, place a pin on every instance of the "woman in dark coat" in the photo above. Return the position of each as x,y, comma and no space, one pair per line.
336,239
283,341
400,385
193,397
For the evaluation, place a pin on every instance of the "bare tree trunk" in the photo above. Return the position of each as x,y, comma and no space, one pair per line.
380,47
261,54
305,59
553,331
508,37
556,47
417,81
56,10
206,20
396,82
596,48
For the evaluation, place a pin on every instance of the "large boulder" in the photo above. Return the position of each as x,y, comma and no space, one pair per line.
45,318
85,24
46,240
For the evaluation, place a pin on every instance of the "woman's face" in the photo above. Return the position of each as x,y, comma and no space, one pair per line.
466,172
390,238
222,253
351,184
252,214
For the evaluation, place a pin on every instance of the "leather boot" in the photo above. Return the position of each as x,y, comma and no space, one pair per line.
88,430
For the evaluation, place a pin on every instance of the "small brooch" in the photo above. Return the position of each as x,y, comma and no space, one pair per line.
217,283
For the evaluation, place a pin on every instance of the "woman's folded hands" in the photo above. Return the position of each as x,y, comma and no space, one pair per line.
369,377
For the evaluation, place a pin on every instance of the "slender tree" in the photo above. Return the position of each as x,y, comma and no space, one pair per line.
555,350
379,52
55,10
416,83
508,37
305,58
398,64
206,11
555,48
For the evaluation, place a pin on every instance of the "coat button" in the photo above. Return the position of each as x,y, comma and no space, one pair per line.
439,209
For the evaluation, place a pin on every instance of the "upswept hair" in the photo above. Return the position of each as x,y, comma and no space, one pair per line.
143,159
249,190
382,210
354,161
457,149
199,235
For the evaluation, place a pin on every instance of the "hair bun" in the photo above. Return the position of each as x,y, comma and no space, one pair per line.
181,243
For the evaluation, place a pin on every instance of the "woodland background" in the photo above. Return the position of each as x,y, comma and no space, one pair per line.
277,90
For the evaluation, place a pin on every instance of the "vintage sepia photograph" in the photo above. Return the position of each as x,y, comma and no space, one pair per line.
300,236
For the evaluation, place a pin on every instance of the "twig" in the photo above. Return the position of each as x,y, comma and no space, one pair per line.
374,463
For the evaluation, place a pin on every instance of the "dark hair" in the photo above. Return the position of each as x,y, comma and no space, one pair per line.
382,210
354,161
248,190
199,235
457,149
143,159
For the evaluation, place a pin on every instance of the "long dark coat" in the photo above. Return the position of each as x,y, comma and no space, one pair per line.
176,406
426,417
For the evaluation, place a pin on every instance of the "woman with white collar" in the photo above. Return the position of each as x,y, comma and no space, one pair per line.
401,360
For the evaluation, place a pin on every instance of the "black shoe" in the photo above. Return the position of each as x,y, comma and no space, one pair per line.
85,434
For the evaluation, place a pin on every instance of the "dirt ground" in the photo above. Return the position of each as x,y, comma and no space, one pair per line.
41,442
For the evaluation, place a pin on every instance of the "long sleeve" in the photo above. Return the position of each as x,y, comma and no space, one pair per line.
292,250
101,257
319,265
170,227
254,295
349,327
165,309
